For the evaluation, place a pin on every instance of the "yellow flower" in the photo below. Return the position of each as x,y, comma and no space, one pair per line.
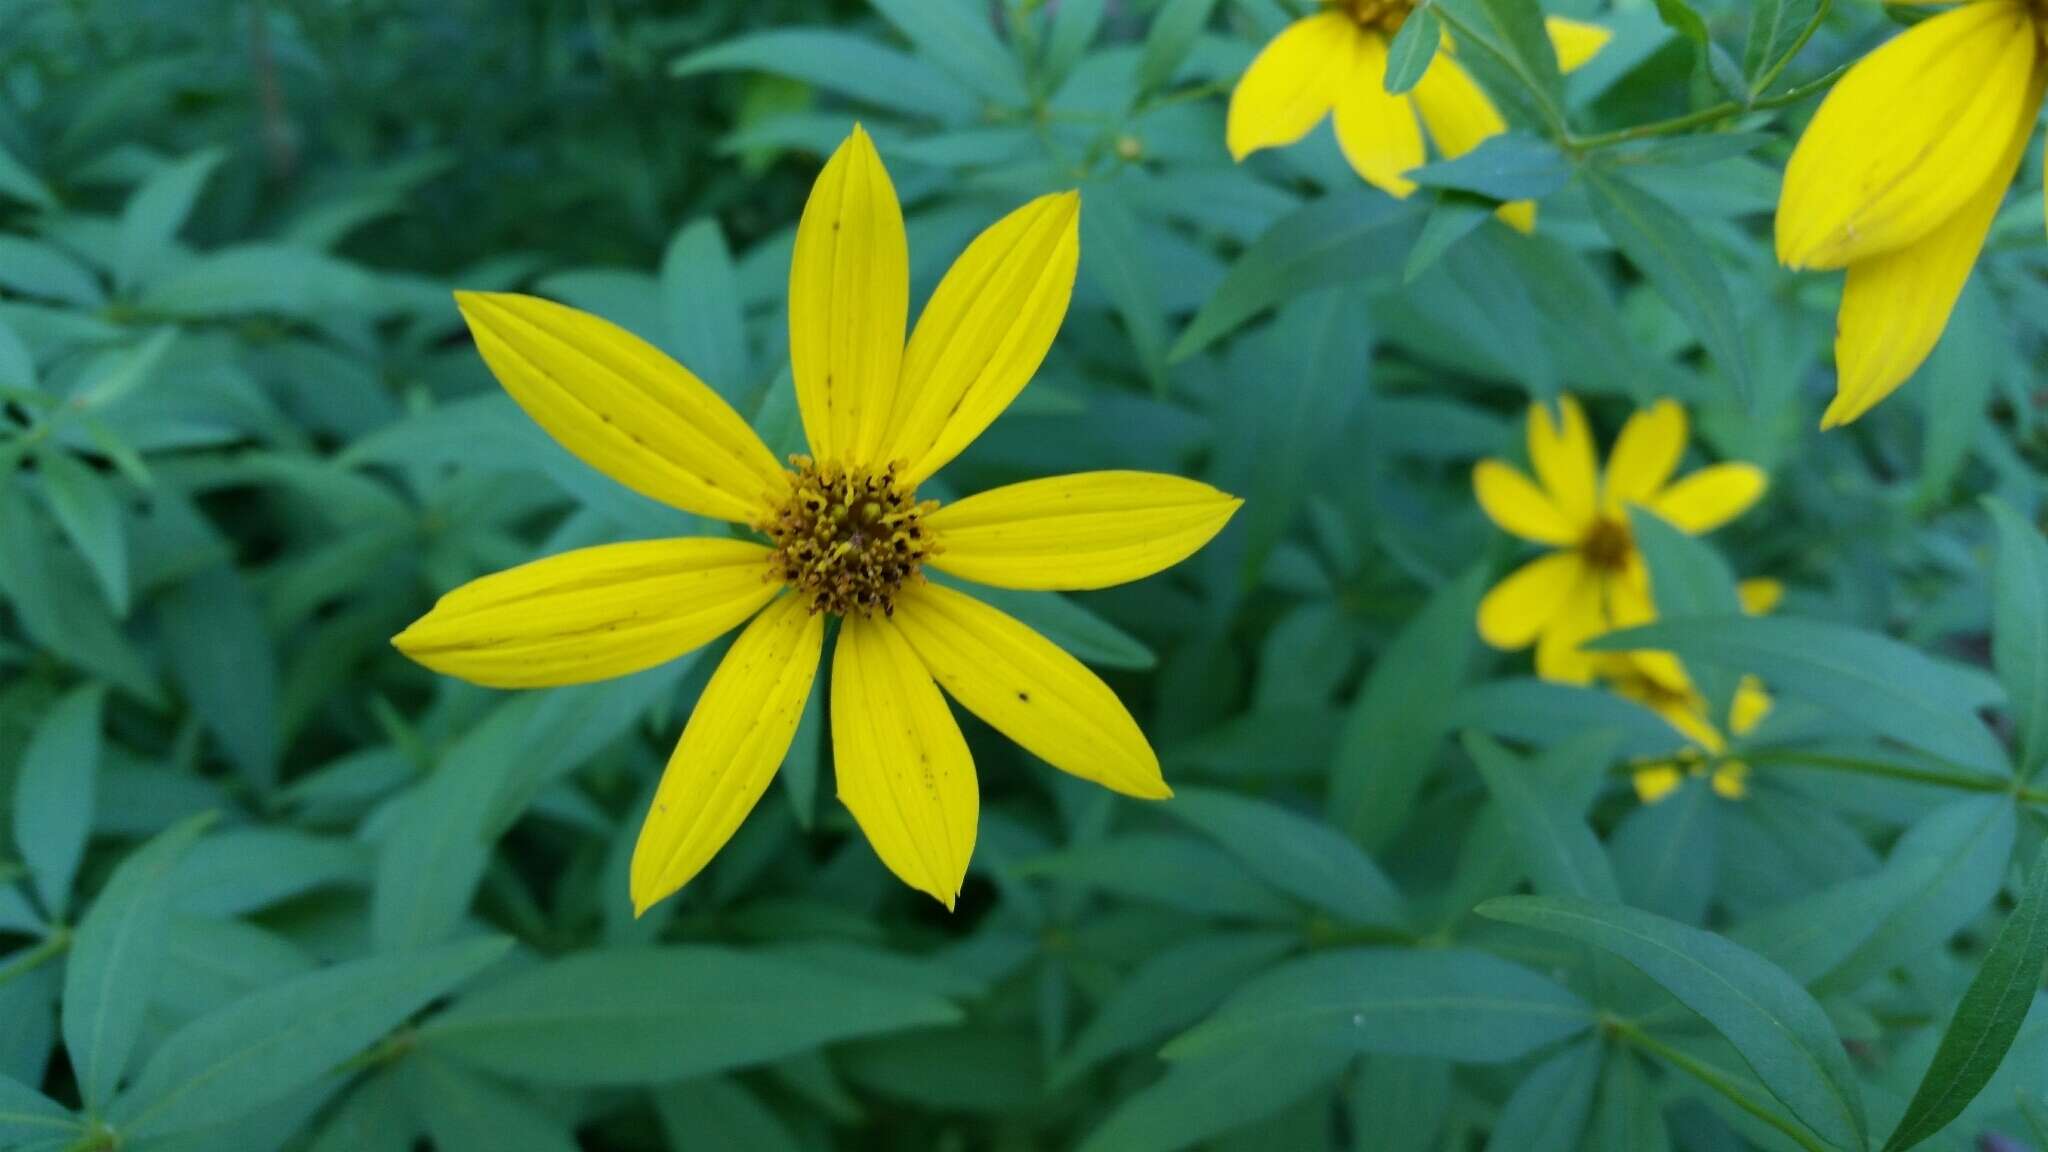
845,535
1898,178
1595,580
1335,63
1658,681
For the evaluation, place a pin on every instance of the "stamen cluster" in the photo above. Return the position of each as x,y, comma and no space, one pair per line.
848,538
1607,544
1382,15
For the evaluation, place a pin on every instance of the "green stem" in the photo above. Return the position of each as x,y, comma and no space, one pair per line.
1770,76
1705,116
1960,781
1714,1078
30,959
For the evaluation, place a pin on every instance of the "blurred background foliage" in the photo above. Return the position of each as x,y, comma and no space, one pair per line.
266,885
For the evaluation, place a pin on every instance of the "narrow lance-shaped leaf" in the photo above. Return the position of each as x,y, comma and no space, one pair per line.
2019,633
53,794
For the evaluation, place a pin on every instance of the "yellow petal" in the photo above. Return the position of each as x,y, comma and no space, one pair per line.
1512,501
1895,306
1291,83
1579,618
623,407
733,743
1574,42
849,294
1731,780
1086,530
1377,131
1909,138
1711,497
1656,782
591,614
1025,687
1521,606
984,332
1751,705
1629,606
1563,458
1760,596
903,767
1645,455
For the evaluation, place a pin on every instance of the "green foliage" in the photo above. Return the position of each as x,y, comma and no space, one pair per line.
267,886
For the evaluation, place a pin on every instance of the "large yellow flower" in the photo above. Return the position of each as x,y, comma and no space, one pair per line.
1898,178
845,535
1658,681
1335,63
1595,580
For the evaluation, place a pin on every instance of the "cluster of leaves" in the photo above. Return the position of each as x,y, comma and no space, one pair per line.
265,885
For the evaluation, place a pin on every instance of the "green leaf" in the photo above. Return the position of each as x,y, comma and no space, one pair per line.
27,1117
20,183
264,279
154,214
47,272
1560,852
1090,638
85,506
845,63
1300,856
1688,578
1677,262
1511,166
1864,678
1774,27
2019,632
1170,990
1412,50
1455,1004
465,1112
245,870
713,1112
1510,35
1629,1117
1075,24
1169,869
267,1045
958,39
1987,1020
1664,855
1776,1026
219,649
1174,31
1202,1098
1813,936
116,958
649,1015
1355,236
1547,1111
700,303
1118,257
53,794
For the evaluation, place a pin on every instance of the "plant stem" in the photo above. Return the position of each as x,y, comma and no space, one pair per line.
29,959
1705,116
1714,1078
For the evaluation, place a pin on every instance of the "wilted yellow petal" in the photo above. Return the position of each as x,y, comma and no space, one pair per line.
591,614
1025,687
1711,497
1910,137
734,741
1086,530
1562,455
1657,781
1580,617
1645,455
623,407
1514,503
849,295
1521,606
1377,131
903,767
1291,83
1574,42
984,332
1895,306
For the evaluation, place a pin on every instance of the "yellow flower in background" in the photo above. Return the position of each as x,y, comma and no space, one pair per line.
1659,682
1595,579
1334,63
1898,179
845,535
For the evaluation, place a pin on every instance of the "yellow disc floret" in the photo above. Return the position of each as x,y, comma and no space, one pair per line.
849,538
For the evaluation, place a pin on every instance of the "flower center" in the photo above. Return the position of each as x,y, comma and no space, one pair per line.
848,538
1607,544
1379,15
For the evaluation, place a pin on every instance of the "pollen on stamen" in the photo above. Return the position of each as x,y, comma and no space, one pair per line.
848,539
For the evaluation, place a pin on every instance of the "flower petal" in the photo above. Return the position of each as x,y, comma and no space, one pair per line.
1909,138
984,332
1027,688
591,614
1657,781
1711,497
734,741
1645,455
1731,780
1574,42
1086,530
1514,503
849,295
1895,306
1580,617
1291,83
1760,595
1377,131
1751,705
1562,455
903,767
623,407
1518,608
